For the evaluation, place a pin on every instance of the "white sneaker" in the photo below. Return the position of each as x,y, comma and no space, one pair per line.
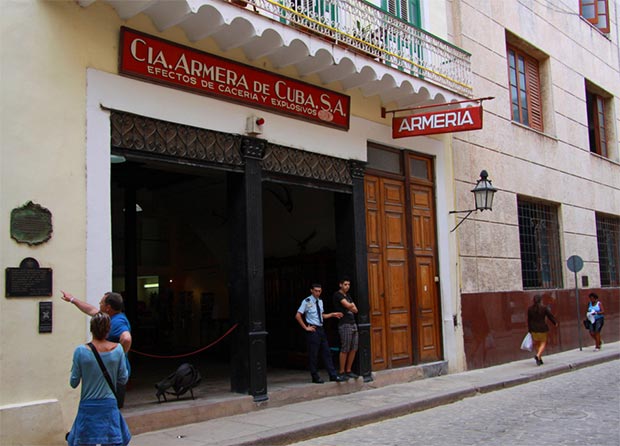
596,349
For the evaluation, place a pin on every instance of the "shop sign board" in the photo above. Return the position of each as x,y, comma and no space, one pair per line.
445,121
157,60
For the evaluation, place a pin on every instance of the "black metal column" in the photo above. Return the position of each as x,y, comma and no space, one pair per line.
361,270
249,356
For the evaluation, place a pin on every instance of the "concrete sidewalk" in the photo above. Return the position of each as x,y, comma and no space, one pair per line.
299,421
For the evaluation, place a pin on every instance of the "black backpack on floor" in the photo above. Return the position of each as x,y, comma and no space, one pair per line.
184,379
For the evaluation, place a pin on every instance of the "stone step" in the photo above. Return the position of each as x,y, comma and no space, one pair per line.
144,414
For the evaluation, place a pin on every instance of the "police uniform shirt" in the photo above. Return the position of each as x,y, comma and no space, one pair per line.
308,308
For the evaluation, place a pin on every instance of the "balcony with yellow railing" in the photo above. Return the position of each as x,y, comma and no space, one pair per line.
377,34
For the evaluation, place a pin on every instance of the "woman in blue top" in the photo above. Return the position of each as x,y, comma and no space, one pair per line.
120,331
98,420
595,308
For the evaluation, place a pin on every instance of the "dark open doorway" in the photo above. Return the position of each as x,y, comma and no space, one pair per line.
300,249
180,236
179,302
181,232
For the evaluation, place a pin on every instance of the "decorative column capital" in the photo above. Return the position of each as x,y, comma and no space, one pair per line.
357,168
253,148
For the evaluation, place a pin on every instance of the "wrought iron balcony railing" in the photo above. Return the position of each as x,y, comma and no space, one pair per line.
369,30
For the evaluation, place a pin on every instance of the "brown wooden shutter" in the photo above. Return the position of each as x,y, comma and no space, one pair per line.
601,133
534,97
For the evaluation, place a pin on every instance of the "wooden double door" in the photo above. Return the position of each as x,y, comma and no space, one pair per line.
402,277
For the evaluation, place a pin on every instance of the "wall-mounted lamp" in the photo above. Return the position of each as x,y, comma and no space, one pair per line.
117,159
483,194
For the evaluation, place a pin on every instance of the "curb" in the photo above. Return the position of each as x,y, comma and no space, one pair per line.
156,418
301,432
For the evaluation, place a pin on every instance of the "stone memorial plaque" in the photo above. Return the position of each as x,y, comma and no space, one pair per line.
28,280
31,224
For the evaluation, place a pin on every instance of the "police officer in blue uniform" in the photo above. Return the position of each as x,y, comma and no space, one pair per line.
312,309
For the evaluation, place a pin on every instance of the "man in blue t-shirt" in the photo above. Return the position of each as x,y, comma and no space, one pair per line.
120,330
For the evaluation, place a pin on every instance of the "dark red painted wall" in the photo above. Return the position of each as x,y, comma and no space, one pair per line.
494,323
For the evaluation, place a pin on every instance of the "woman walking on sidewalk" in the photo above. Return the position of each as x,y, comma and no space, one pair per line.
537,314
596,310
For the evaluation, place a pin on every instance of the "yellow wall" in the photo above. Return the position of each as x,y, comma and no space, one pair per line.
45,50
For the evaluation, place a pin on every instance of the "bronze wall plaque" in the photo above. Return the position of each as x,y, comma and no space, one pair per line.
31,224
28,280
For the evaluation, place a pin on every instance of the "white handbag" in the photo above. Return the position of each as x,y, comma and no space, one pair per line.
526,344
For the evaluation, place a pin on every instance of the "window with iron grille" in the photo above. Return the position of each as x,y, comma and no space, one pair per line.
608,238
539,238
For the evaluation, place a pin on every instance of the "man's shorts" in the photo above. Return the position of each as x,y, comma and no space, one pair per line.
348,337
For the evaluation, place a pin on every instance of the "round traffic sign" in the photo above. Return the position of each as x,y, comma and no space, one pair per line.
574,263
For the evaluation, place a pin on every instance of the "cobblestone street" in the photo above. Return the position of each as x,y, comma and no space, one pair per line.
578,408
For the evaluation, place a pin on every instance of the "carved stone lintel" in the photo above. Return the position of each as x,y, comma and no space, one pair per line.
143,134
140,133
284,160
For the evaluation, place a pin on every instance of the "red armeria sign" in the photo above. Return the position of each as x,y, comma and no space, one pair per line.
158,60
445,121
